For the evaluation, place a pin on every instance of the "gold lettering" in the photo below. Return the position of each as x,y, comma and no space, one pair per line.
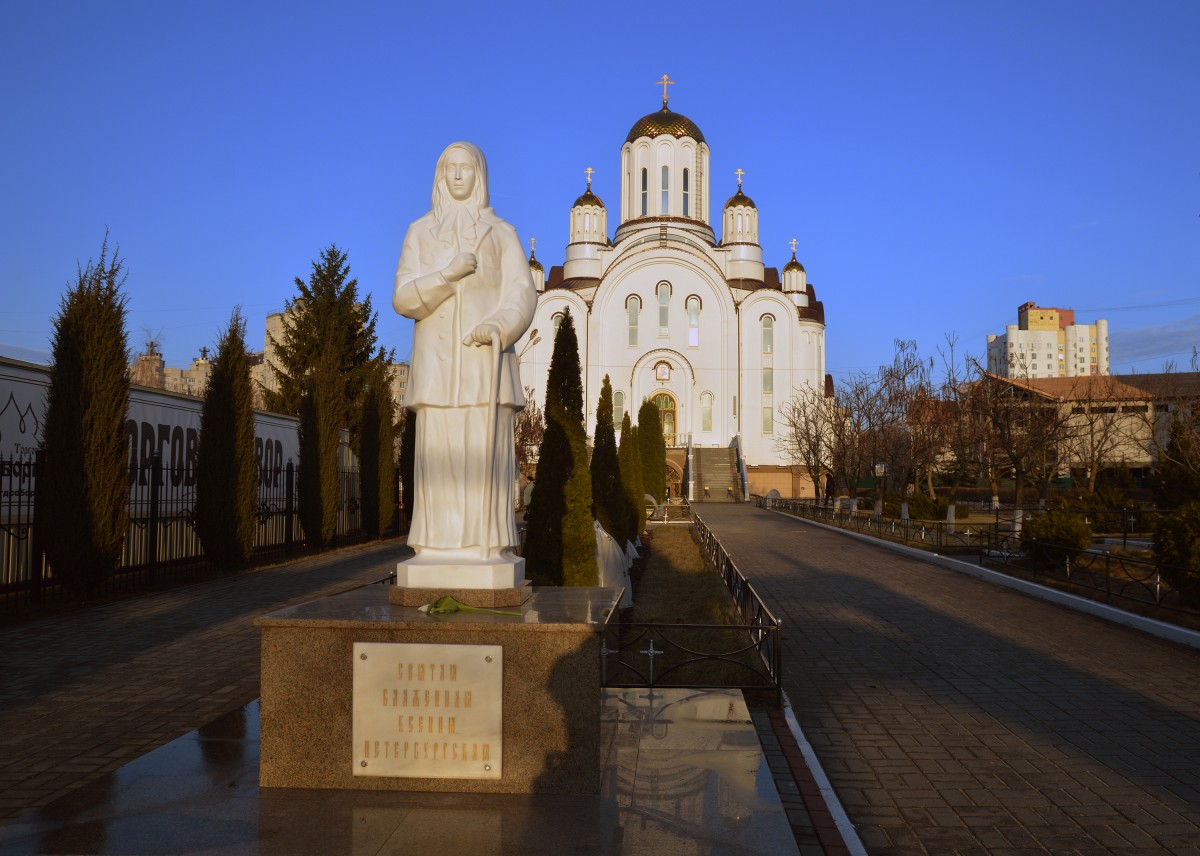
437,698
366,748
467,699
450,725
453,672
439,725
416,698
487,751
421,672
395,698
435,748
427,698
410,725
474,751
376,748
454,746
410,671
405,748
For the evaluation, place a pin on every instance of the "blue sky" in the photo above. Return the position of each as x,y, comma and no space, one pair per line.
940,163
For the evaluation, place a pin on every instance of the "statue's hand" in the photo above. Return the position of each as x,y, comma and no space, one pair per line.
464,264
483,333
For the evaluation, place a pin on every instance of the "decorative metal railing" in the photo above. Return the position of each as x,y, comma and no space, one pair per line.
160,541
746,656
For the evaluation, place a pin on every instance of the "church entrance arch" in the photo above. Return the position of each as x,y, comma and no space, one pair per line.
665,402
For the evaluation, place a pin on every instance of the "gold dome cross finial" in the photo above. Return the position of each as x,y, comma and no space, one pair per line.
532,244
739,172
793,242
588,172
666,81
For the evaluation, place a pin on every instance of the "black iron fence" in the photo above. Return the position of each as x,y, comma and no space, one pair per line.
1108,575
968,536
746,656
1111,575
161,544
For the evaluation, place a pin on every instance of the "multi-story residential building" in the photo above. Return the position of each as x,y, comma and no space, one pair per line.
1046,342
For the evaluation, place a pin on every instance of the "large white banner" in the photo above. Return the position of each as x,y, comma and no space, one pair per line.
159,422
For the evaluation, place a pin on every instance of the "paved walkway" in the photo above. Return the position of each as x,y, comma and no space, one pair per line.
955,716
83,694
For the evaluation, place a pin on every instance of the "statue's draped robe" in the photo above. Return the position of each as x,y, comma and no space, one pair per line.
451,384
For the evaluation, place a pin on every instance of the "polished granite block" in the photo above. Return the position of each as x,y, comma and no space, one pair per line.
551,680
678,778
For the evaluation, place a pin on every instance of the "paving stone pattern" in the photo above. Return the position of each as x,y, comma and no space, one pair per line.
83,693
955,716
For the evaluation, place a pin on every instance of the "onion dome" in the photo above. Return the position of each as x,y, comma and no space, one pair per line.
534,264
588,198
793,264
740,198
665,122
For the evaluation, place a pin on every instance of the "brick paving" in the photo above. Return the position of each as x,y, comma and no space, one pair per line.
954,716
82,694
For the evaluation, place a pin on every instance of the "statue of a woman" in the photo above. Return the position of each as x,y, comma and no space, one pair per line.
463,277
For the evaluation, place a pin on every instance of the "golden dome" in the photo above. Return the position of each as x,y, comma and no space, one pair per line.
534,264
588,198
664,122
793,265
740,198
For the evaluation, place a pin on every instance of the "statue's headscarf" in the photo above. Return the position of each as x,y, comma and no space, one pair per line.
456,218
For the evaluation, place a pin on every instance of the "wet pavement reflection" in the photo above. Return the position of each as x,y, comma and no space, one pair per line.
683,774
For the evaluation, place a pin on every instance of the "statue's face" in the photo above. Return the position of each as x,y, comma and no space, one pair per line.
460,174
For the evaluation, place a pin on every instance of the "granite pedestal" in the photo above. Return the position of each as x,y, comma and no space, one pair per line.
550,697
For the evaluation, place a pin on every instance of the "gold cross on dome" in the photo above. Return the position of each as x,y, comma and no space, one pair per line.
532,244
589,171
739,173
666,81
793,242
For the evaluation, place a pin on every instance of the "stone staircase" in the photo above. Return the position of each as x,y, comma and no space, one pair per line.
716,477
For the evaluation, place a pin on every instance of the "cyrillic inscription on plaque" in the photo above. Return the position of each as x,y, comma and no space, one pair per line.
428,711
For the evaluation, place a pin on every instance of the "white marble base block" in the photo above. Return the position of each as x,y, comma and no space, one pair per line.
506,572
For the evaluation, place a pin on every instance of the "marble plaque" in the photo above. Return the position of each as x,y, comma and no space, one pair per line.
428,711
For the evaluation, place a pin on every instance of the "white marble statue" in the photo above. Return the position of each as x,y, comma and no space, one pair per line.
463,277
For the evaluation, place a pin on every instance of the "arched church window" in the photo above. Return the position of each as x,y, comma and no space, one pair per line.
706,403
556,322
768,334
645,192
618,409
686,212
587,222
633,306
693,313
739,224
664,301
666,201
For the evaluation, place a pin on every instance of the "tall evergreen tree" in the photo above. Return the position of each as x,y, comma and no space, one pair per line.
226,472
321,417
325,322
376,452
654,450
81,491
609,502
630,457
560,547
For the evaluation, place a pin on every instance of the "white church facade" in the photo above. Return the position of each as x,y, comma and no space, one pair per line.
699,325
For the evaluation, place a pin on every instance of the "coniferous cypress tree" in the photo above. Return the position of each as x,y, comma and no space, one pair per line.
560,547
321,412
630,457
376,456
226,473
609,503
654,450
82,487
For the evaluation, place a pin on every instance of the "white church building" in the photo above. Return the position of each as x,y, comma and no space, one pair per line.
675,313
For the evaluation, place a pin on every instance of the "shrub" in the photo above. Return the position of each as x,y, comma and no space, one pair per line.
1177,549
1054,536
